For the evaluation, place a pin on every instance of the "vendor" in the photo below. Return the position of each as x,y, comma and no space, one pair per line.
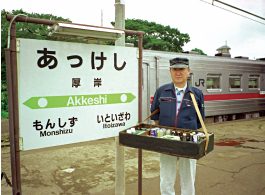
177,110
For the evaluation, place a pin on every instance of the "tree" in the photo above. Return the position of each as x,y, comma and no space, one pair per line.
157,36
199,51
26,30
37,31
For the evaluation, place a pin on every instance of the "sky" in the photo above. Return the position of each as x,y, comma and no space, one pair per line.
209,27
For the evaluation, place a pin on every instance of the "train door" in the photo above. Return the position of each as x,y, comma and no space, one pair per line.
155,74
262,84
145,90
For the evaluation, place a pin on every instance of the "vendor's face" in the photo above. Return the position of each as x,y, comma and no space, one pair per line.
179,76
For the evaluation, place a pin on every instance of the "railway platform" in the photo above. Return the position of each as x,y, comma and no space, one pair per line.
236,166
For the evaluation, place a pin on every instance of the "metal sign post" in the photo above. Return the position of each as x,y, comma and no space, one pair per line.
51,101
11,71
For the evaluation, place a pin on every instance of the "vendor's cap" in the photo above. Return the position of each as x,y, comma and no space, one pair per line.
179,63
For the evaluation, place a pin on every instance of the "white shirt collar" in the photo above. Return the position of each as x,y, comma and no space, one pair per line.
179,89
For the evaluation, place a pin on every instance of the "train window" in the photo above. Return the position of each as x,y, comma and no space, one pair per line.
190,79
235,81
213,82
253,82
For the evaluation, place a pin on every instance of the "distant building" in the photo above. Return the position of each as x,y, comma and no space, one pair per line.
224,51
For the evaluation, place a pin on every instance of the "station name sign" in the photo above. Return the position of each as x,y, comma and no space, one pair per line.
74,92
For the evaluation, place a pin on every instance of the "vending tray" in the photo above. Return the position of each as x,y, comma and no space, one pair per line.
166,146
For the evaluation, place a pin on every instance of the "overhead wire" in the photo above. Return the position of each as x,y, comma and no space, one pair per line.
239,9
235,12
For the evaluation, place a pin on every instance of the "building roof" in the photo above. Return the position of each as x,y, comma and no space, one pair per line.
224,47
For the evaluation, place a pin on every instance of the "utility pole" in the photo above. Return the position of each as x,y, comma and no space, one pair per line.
119,150
120,20
101,17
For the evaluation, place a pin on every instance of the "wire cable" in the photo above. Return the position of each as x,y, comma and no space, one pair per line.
37,33
239,9
232,12
9,29
13,19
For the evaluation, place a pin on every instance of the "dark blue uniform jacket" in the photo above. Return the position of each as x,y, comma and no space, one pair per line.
165,99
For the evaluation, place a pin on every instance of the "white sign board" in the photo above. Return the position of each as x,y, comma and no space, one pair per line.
74,92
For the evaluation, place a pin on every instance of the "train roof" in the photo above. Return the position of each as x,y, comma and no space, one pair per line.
191,56
209,63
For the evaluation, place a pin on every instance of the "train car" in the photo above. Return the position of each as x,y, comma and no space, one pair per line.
233,88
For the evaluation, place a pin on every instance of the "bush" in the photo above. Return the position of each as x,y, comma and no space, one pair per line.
4,114
4,101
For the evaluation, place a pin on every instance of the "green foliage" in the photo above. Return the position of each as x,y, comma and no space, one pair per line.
37,31
4,114
157,36
199,51
4,101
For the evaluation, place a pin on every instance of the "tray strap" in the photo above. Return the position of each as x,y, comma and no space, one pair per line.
156,111
201,120
199,116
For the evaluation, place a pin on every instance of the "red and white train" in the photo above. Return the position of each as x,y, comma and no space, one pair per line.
233,88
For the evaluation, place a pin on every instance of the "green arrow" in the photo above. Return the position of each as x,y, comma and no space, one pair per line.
78,100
